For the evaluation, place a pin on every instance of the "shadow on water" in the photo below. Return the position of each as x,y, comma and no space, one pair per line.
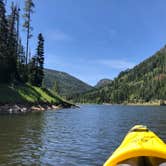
20,139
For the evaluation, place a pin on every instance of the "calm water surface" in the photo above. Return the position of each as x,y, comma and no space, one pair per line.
72,137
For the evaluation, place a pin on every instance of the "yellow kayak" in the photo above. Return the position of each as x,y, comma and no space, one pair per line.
140,147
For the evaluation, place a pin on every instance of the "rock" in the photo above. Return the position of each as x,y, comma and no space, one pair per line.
10,111
37,108
55,107
16,109
24,109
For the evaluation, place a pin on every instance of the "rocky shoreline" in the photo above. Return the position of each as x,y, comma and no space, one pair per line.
22,109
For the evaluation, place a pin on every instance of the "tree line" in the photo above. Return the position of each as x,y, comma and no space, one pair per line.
16,62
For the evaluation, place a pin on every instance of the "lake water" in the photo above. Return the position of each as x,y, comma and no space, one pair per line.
72,137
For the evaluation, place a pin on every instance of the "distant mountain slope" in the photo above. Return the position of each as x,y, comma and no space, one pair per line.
103,82
145,82
65,83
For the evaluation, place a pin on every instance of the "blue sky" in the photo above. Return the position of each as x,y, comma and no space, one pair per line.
95,39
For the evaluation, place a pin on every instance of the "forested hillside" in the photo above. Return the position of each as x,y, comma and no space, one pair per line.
145,82
63,83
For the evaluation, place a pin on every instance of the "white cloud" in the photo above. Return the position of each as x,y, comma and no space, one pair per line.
117,64
58,35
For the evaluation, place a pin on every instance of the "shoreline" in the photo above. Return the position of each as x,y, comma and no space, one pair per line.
150,103
130,104
27,108
143,104
140,104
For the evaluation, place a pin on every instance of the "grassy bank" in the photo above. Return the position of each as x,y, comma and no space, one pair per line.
149,103
27,94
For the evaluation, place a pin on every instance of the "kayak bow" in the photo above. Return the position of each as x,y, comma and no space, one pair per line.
140,147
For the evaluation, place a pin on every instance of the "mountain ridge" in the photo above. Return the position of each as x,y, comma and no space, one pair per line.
66,84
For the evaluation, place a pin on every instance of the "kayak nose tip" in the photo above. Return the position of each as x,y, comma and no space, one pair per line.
139,128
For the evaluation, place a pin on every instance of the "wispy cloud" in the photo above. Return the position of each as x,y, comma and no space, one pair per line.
116,64
55,61
58,35
89,70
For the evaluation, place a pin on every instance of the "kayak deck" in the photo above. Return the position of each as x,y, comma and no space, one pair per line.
140,147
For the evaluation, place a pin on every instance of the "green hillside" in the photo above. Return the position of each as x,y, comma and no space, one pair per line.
144,83
63,83
27,94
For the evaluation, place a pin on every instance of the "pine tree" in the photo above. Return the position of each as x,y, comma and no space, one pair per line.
21,52
55,88
33,71
40,58
3,44
28,10
12,43
18,27
36,66
22,68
